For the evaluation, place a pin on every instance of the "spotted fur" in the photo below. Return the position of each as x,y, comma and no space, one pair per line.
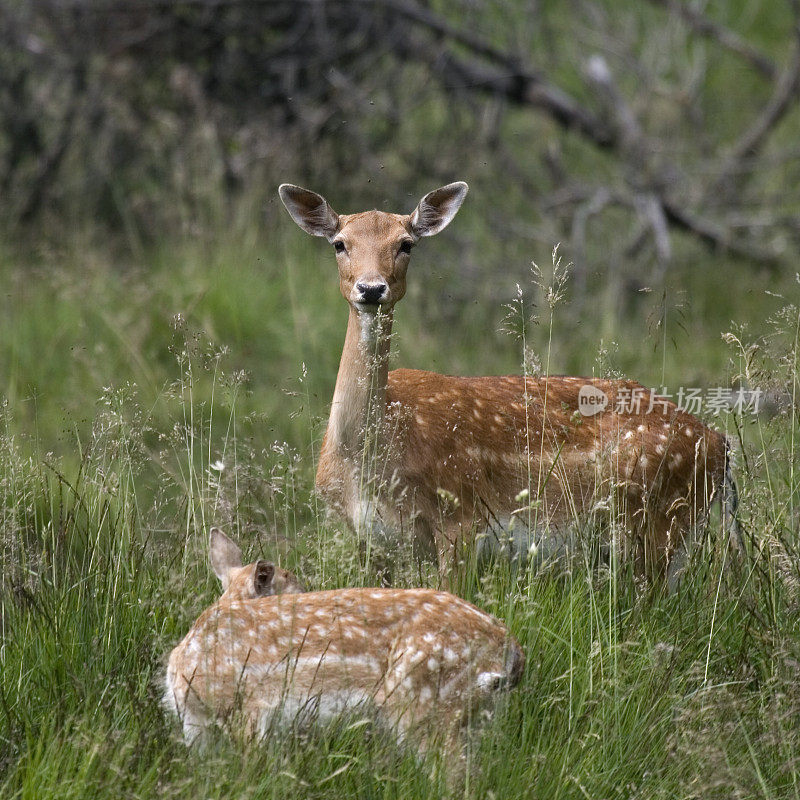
447,459
424,662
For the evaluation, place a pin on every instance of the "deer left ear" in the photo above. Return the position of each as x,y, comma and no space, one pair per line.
225,555
263,574
436,210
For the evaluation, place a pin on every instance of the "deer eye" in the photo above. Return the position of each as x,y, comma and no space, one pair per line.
338,246
405,246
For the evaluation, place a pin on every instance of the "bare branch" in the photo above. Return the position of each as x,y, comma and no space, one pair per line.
598,72
520,86
725,37
786,89
715,236
652,211
526,88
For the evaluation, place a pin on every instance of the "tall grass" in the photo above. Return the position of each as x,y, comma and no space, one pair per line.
194,395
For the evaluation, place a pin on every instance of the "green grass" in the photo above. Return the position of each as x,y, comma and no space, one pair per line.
127,432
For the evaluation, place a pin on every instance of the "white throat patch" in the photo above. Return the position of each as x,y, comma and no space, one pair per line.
370,328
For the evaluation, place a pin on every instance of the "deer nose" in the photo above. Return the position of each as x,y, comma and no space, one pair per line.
372,293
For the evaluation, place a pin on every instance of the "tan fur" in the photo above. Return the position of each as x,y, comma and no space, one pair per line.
424,662
448,456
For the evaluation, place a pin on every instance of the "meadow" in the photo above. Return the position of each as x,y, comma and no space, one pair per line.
153,389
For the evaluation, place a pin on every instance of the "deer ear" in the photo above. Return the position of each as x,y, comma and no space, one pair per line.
225,555
263,574
437,209
311,211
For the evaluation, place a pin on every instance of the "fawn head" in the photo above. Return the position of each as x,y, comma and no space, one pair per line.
373,247
259,579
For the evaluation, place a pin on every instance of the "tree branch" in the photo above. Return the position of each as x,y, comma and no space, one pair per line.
775,110
725,37
521,86
715,236
525,87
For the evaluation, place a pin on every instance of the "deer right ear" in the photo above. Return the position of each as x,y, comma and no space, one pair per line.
225,555
311,211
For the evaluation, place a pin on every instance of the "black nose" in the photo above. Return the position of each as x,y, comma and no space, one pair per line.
371,292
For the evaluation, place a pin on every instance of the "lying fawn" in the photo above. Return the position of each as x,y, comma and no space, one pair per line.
450,458
424,662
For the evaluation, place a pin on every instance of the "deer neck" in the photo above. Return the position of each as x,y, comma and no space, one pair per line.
359,400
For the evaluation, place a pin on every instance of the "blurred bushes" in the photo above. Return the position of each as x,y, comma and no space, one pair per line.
649,139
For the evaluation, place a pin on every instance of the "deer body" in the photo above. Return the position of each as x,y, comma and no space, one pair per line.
447,458
481,442
422,661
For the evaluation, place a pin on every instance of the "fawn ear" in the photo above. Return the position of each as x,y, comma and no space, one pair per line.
225,555
437,208
293,585
311,211
263,574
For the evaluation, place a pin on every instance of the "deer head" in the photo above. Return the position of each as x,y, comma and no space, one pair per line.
373,248
259,579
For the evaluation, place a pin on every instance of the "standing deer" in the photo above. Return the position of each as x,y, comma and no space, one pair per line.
421,661
452,457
